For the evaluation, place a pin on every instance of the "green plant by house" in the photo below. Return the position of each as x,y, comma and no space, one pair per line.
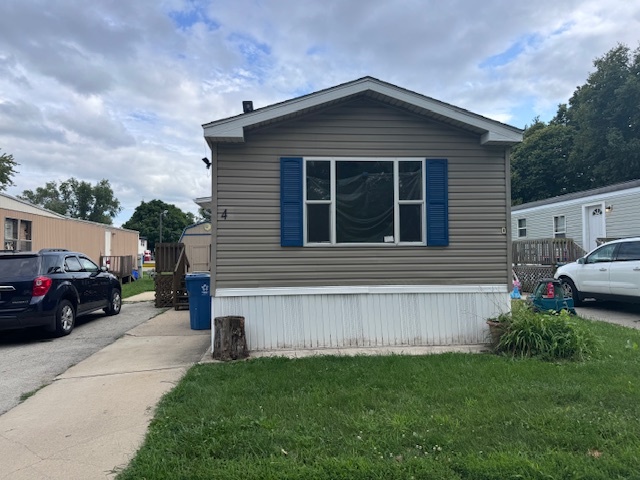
550,335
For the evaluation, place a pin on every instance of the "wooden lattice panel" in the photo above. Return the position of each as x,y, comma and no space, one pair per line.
530,275
164,290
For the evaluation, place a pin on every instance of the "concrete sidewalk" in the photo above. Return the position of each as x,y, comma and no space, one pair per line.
89,423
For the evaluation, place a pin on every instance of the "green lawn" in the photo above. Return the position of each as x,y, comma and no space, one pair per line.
144,284
451,416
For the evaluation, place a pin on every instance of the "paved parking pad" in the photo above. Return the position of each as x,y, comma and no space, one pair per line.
625,314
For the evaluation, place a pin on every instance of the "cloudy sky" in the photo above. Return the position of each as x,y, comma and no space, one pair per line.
119,89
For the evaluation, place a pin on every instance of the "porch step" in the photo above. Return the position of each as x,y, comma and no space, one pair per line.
181,297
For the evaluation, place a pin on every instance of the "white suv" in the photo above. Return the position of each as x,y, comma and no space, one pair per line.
610,272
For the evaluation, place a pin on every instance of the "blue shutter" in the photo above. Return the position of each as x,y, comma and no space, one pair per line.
437,198
291,202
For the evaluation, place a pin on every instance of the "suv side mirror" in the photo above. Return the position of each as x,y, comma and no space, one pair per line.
581,261
104,269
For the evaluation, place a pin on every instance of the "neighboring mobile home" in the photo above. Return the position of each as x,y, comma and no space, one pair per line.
29,227
360,215
606,212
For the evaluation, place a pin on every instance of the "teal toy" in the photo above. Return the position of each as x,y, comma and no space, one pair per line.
549,295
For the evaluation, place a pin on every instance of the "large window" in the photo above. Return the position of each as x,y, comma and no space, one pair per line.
17,234
362,201
559,226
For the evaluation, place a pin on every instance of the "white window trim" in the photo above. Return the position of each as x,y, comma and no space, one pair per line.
396,201
522,228
557,232
17,240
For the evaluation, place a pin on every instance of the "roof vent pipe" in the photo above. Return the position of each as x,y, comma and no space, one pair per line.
247,106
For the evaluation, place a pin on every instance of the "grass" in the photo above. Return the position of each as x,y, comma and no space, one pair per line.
31,393
143,284
450,416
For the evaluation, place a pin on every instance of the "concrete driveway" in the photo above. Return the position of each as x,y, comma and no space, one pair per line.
30,359
624,314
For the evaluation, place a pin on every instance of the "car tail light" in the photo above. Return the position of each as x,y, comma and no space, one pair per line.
41,286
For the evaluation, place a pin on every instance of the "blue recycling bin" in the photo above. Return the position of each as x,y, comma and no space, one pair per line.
199,300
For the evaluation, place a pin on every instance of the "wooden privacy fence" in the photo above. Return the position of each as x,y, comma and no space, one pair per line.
171,269
545,251
540,258
121,266
167,255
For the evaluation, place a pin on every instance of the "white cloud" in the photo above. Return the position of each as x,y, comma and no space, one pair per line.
119,90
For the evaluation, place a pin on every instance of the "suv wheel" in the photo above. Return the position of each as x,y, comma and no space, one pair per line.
569,289
65,318
115,303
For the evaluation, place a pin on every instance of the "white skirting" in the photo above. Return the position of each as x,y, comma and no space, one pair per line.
342,317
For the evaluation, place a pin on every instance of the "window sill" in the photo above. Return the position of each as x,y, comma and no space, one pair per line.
366,245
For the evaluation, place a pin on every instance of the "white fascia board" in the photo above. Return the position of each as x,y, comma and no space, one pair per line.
500,138
354,290
493,130
233,129
226,132
204,202
577,201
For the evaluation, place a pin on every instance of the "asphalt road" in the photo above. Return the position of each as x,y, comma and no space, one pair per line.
29,359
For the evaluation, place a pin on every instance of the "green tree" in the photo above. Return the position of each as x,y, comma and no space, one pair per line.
540,166
146,220
204,214
593,141
77,199
7,170
606,115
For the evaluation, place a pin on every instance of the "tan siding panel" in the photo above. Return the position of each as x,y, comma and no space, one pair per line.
85,237
248,252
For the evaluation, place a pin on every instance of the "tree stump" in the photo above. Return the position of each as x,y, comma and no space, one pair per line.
229,340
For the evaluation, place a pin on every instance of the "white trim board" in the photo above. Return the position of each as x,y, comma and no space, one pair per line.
232,129
359,290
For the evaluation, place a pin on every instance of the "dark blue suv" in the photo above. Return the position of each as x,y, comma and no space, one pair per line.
51,288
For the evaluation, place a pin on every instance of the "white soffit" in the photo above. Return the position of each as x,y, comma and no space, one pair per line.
492,132
203,202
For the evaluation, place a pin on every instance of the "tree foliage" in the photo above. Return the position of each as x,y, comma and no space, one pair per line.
77,199
540,165
7,170
591,142
204,214
146,220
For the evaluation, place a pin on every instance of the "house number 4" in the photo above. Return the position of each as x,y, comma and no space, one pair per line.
224,214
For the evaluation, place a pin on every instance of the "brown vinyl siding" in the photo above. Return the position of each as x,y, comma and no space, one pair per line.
247,184
85,237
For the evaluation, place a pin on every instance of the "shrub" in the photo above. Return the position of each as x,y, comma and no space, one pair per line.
550,336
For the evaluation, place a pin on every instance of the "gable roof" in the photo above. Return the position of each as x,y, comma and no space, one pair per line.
9,202
193,225
231,130
617,187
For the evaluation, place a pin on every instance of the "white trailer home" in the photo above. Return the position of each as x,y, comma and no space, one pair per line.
600,213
